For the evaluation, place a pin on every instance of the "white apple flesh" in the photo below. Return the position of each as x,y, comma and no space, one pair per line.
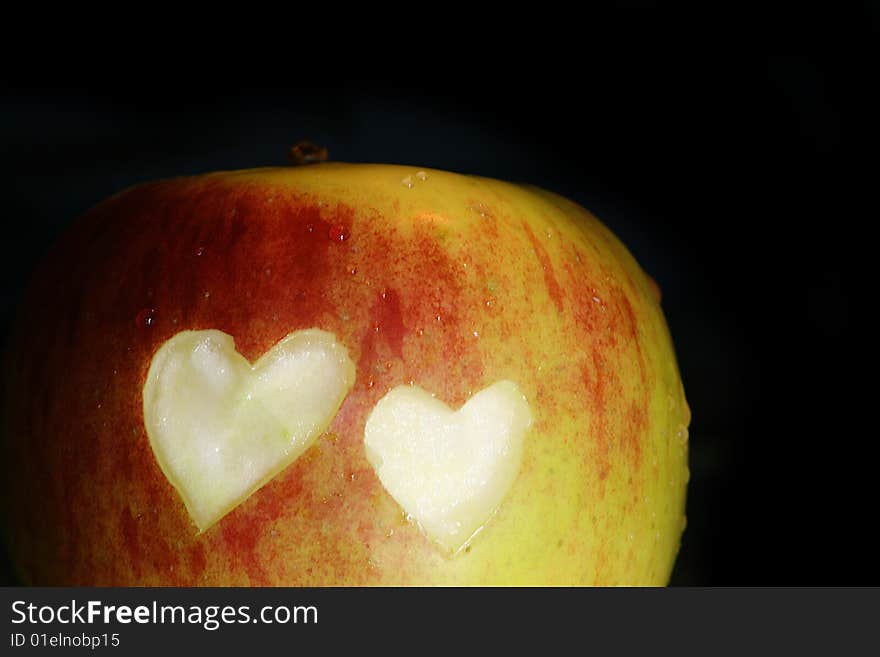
220,427
448,470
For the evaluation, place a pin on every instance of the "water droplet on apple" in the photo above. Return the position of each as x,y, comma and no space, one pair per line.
337,233
682,433
145,318
407,182
480,209
422,175
200,251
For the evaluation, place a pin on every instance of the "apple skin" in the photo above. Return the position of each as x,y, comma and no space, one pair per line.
447,281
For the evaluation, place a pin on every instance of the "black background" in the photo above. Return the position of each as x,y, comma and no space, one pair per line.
742,182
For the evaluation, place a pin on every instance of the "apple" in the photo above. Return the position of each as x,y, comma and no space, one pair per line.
342,375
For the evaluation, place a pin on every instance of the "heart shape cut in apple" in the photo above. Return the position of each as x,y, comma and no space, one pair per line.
449,470
220,427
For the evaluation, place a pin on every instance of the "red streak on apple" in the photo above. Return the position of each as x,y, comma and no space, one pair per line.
635,427
198,561
242,537
553,287
596,384
386,325
607,319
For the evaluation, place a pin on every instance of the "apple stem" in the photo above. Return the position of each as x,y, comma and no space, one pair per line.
305,152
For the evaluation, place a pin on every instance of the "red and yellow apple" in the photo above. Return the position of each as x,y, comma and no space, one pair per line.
342,375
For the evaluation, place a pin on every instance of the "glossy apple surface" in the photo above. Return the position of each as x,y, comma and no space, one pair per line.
443,281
